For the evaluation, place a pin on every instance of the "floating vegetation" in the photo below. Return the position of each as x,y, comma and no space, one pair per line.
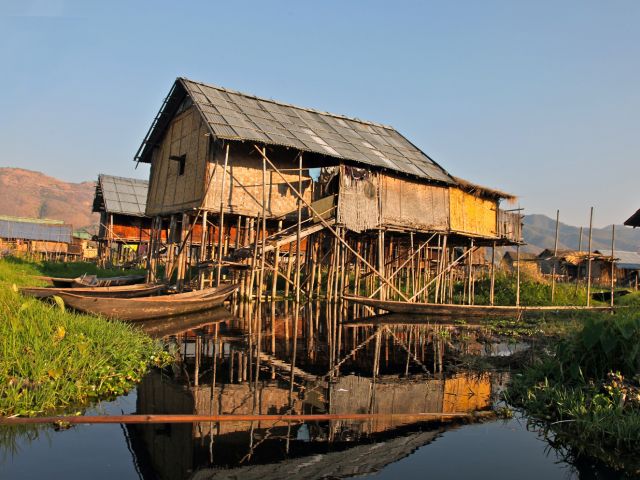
51,359
585,392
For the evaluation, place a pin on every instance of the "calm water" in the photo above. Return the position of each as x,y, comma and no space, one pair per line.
379,366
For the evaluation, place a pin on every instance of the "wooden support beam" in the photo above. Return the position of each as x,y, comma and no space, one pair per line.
326,224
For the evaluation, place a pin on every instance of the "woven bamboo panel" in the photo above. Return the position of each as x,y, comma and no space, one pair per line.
471,214
358,202
413,204
170,191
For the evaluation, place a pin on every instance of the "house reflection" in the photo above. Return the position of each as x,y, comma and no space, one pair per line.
216,374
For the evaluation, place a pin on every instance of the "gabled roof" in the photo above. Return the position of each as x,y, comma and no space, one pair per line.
232,115
125,196
633,220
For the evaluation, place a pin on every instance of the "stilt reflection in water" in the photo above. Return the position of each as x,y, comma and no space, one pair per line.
244,364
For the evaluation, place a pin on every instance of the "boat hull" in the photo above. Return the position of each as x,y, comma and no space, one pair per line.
128,291
139,309
436,309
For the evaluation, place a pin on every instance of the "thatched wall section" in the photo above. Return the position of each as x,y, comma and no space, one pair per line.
358,207
169,191
413,204
243,182
471,214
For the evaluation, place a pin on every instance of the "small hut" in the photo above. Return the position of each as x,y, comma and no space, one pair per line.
44,238
124,230
573,265
528,262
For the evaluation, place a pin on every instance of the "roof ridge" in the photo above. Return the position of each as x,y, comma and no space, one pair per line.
101,175
291,105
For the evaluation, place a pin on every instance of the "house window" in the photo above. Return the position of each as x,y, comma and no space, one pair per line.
181,161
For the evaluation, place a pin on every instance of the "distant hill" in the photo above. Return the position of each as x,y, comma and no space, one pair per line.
25,193
540,230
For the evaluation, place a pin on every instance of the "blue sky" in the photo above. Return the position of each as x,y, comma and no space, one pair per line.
538,98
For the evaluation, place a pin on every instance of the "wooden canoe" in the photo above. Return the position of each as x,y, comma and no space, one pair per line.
147,308
436,309
93,281
125,291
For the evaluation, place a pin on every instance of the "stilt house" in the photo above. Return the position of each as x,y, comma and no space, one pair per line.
216,152
124,230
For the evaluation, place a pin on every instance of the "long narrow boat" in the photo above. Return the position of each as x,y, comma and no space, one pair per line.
125,291
147,308
416,308
94,281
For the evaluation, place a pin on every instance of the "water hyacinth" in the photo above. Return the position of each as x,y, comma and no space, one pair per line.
52,360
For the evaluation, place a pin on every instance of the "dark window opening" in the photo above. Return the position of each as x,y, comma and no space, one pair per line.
181,161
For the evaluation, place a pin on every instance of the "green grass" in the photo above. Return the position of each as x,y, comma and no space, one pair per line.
532,292
65,269
586,390
53,360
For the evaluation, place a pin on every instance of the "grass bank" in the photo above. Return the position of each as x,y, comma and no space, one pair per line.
585,391
51,359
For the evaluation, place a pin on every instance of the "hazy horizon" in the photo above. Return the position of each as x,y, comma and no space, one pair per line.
537,99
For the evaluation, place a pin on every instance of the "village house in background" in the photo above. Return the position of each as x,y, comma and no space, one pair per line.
300,197
41,238
124,230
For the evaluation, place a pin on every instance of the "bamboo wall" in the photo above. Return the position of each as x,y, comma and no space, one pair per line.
413,204
472,215
243,182
358,207
170,192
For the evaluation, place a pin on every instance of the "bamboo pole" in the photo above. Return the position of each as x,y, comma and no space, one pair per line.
203,249
276,268
555,260
221,218
579,250
613,262
327,226
169,418
492,289
589,259
451,265
264,227
518,275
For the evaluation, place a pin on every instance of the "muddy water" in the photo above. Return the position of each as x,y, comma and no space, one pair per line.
377,365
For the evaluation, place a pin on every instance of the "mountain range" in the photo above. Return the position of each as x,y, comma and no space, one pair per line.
540,231
27,193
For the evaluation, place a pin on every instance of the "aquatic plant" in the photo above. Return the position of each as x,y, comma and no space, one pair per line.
52,359
586,389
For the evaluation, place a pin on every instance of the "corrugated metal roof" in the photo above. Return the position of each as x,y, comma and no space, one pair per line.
232,115
25,230
127,196
627,260
32,220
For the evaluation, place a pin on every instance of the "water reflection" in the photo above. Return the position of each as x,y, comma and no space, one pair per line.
243,363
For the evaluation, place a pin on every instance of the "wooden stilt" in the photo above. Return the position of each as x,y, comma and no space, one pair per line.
589,264
221,217
555,259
